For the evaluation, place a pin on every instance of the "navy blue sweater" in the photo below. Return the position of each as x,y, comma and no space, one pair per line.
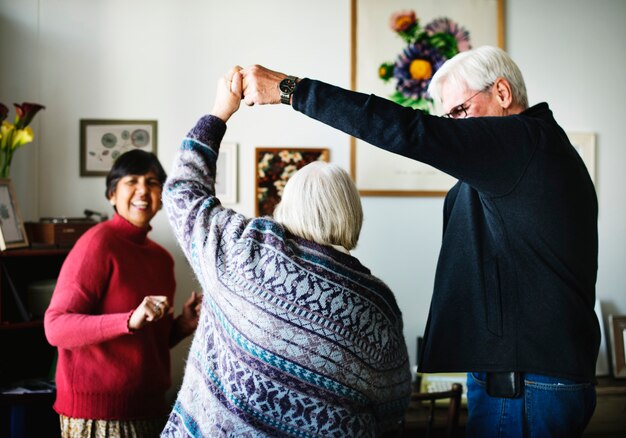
515,282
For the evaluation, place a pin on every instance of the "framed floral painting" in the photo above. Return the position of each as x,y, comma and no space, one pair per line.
397,45
102,141
274,167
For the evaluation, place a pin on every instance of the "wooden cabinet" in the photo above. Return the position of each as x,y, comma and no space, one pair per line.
25,353
609,418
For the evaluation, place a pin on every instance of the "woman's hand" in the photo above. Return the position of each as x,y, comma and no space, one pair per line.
229,94
188,320
151,309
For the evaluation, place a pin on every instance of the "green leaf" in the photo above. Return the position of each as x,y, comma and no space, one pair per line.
445,43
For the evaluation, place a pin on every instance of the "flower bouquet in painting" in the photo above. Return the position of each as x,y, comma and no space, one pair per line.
274,167
427,48
17,134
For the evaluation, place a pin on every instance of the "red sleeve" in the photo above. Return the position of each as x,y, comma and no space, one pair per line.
73,318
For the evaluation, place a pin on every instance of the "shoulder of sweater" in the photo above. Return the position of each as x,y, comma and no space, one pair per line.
105,234
159,248
98,235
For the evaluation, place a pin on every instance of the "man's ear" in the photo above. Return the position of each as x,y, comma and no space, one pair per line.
504,94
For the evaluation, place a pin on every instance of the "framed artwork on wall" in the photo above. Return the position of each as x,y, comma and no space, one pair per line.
585,145
617,326
377,172
226,173
602,363
12,231
102,141
274,166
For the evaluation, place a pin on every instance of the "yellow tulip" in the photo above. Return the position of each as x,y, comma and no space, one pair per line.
22,136
5,132
17,134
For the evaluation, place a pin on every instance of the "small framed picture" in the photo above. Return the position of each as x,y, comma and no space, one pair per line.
102,141
617,326
585,145
226,174
274,167
12,231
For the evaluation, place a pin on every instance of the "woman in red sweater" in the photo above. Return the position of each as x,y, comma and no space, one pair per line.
111,317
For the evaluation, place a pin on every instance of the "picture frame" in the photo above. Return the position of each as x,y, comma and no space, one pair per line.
377,172
617,329
102,141
226,173
602,363
585,145
273,168
12,230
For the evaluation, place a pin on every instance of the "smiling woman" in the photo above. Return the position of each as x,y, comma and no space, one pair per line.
113,301
134,186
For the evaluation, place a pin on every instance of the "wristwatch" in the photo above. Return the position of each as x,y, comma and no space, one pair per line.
287,86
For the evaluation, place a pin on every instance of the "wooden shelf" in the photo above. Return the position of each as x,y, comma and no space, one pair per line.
26,353
34,252
5,325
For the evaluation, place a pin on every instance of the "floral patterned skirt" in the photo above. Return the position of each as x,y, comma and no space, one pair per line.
85,428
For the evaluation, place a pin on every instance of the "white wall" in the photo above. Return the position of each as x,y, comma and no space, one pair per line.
158,59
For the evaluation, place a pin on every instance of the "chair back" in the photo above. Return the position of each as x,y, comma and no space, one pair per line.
454,407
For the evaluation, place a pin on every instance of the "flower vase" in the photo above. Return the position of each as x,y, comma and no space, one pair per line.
6,156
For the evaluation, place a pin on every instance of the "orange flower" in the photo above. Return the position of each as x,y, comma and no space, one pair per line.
403,21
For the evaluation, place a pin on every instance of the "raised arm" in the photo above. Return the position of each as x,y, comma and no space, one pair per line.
189,193
489,153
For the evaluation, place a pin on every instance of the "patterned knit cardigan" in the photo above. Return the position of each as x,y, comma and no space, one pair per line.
294,338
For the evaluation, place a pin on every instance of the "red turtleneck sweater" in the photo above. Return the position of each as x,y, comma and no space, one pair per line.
104,371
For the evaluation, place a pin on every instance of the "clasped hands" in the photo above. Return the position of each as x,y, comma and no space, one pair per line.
154,307
254,85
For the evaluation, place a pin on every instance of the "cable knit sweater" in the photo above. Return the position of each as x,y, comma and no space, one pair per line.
103,370
294,339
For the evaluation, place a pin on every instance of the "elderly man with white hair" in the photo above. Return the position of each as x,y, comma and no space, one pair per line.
514,293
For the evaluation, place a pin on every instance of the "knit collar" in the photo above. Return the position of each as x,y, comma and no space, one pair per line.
340,248
128,230
342,255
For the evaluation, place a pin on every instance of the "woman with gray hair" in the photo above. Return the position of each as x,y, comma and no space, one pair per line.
296,337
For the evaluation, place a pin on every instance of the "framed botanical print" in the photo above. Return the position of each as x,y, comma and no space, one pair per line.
379,43
274,167
102,141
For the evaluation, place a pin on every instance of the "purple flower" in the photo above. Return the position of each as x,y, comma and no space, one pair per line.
25,112
414,68
4,112
446,26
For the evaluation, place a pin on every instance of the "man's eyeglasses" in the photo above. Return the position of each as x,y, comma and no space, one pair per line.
460,111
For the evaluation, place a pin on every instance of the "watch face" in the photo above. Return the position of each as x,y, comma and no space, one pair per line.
287,85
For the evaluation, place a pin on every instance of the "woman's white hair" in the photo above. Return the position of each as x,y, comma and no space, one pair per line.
321,203
477,70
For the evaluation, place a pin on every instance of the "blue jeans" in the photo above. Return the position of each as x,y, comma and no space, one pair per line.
548,407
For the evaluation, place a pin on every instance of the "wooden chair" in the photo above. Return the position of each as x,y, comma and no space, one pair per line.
454,408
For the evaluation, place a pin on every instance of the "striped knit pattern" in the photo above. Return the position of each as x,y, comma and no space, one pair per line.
294,338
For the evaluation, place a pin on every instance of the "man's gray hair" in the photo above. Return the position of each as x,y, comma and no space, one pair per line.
477,70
